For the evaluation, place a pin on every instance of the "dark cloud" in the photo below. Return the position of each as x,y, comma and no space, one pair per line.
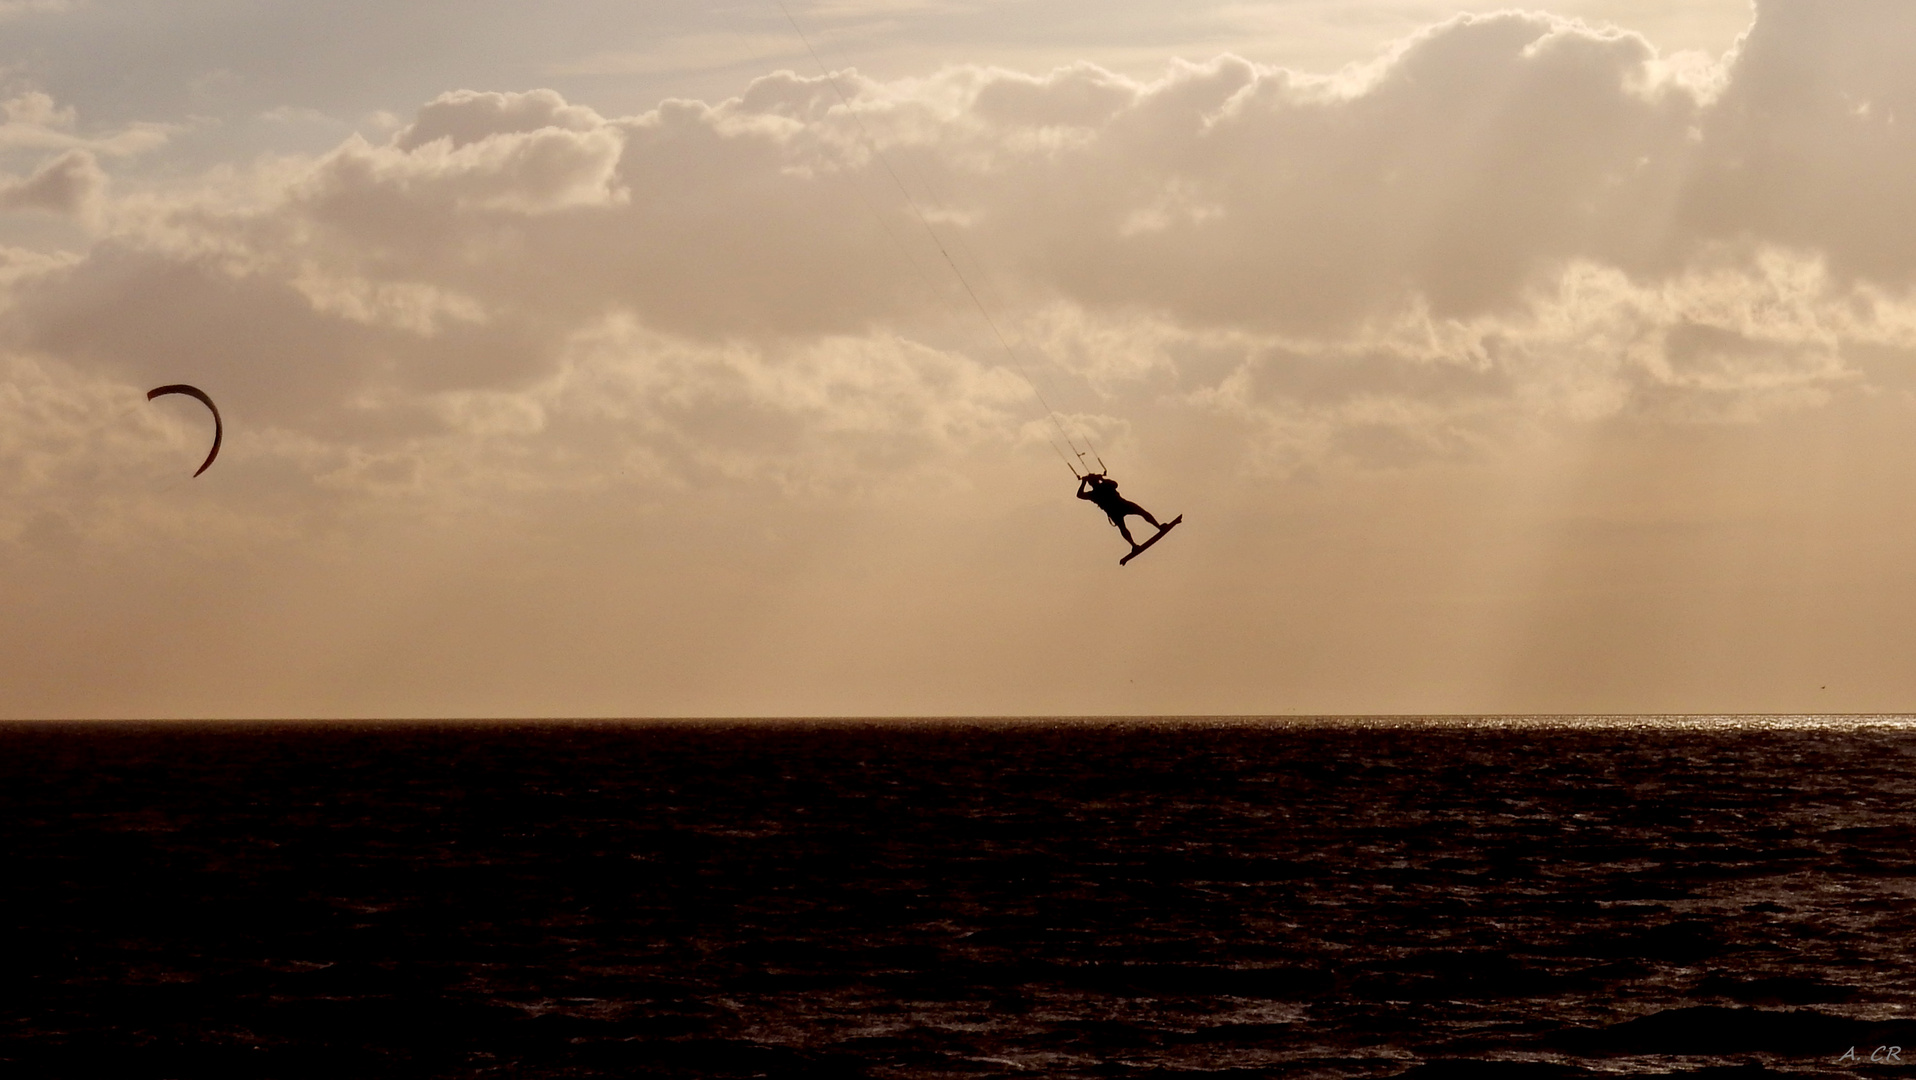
70,185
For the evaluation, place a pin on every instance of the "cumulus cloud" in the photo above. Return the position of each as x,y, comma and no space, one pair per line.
33,120
70,185
1811,139
467,117
1508,219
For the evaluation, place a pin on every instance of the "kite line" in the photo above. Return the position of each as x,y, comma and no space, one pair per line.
1082,467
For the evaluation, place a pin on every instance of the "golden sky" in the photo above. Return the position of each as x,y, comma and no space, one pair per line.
585,358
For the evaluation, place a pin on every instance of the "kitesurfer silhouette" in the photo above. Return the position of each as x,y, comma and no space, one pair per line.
1101,490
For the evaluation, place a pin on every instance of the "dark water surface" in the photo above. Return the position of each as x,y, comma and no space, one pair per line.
1510,900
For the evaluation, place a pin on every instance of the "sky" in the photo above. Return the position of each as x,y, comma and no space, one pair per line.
614,359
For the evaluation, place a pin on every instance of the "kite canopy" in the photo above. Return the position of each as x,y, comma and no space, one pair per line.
195,392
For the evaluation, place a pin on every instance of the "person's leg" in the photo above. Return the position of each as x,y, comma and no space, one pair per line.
1118,520
1134,508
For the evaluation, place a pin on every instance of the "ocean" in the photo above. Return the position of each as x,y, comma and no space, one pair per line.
1505,898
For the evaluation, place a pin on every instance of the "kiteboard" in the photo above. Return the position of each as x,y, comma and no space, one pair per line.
1140,549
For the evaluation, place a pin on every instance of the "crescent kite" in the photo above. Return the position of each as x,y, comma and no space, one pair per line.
195,392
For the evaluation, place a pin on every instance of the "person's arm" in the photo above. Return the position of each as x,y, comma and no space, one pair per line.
1084,487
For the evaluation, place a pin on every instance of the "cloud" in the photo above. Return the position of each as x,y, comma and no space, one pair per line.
1739,337
530,172
33,121
1812,136
1507,220
71,185
466,117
